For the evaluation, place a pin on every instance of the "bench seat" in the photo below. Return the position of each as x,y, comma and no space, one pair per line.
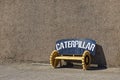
69,57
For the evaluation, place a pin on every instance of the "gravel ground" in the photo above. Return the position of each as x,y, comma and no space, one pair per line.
42,71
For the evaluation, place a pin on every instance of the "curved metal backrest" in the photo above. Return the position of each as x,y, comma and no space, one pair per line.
75,46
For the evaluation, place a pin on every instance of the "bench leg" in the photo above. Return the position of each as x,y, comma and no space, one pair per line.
83,65
60,63
56,62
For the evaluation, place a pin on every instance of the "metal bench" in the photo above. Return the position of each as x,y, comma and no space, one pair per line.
73,49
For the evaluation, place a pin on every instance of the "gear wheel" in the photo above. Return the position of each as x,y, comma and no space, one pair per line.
54,62
86,61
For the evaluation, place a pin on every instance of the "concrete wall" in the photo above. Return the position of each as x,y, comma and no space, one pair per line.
29,28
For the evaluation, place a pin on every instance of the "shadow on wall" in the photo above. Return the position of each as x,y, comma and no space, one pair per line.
99,57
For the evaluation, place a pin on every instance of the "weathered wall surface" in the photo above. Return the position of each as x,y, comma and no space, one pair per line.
29,28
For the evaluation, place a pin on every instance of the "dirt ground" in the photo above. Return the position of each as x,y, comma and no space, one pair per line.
43,71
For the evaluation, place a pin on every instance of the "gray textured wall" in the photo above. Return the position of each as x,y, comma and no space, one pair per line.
29,28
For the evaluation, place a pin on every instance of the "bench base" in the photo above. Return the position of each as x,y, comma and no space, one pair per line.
55,59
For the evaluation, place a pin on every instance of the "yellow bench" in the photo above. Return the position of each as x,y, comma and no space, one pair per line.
73,49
